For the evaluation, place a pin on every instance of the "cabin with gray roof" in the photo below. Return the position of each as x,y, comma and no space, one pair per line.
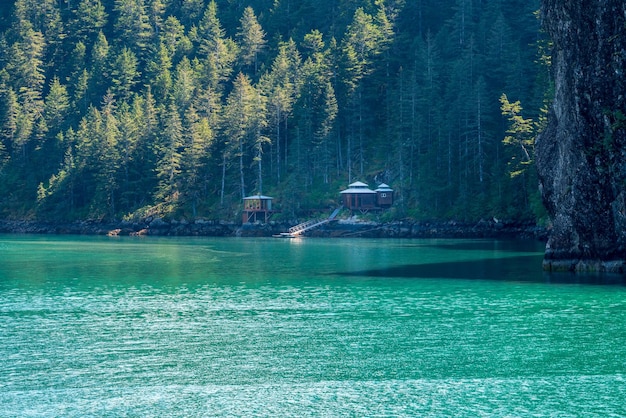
359,197
384,196
257,208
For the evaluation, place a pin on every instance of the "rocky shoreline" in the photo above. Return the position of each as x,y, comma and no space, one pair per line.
342,228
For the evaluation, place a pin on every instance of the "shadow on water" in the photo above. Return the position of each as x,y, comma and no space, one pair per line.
485,245
524,268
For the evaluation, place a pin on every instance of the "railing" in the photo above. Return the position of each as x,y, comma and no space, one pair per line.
305,226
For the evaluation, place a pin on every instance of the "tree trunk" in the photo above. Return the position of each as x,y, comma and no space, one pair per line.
223,179
241,172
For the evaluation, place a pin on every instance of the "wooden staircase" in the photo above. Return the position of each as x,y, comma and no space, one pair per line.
296,231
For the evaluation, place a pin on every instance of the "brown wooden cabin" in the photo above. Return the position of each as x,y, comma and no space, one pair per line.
384,196
257,208
358,196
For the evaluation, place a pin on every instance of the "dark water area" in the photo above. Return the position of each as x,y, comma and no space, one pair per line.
101,326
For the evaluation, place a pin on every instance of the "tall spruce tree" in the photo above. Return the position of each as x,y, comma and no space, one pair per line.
251,39
168,168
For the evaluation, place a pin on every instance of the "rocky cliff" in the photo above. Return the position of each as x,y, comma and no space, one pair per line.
581,156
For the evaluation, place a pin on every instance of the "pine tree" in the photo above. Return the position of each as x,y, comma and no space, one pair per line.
124,74
174,39
315,114
128,143
100,67
109,159
81,92
240,125
198,138
90,19
184,86
44,18
191,11
29,72
251,38
132,26
218,51
156,12
57,197
160,68
11,113
281,86
142,174
57,105
168,168
362,42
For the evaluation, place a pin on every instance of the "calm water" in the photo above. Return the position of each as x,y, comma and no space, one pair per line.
303,327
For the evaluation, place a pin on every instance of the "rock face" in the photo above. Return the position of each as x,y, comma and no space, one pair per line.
581,156
494,229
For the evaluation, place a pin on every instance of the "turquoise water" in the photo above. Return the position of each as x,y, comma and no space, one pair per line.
138,327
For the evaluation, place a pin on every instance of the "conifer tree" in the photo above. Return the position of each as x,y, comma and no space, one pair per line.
144,151
109,159
362,42
81,92
100,67
132,26
251,38
160,67
218,51
174,39
57,105
198,138
90,19
315,115
28,56
241,125
129,117
124,74
281,87
168,168
184,86
11,113
191,11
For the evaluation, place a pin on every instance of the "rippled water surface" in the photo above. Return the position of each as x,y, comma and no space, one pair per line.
96,326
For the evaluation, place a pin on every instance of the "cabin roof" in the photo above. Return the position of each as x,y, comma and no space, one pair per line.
384,188
358,184
258,197
356,188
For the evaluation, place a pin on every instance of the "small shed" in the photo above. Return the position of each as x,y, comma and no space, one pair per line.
384,196
257,208
358,196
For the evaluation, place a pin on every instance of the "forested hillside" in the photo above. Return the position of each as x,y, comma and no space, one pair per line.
119,108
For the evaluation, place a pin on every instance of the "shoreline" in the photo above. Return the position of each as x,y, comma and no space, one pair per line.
337,229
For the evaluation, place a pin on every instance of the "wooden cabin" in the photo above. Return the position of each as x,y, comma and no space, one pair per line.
358,196
384,196
257,208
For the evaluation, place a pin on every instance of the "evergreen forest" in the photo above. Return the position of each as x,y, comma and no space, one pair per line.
121,109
